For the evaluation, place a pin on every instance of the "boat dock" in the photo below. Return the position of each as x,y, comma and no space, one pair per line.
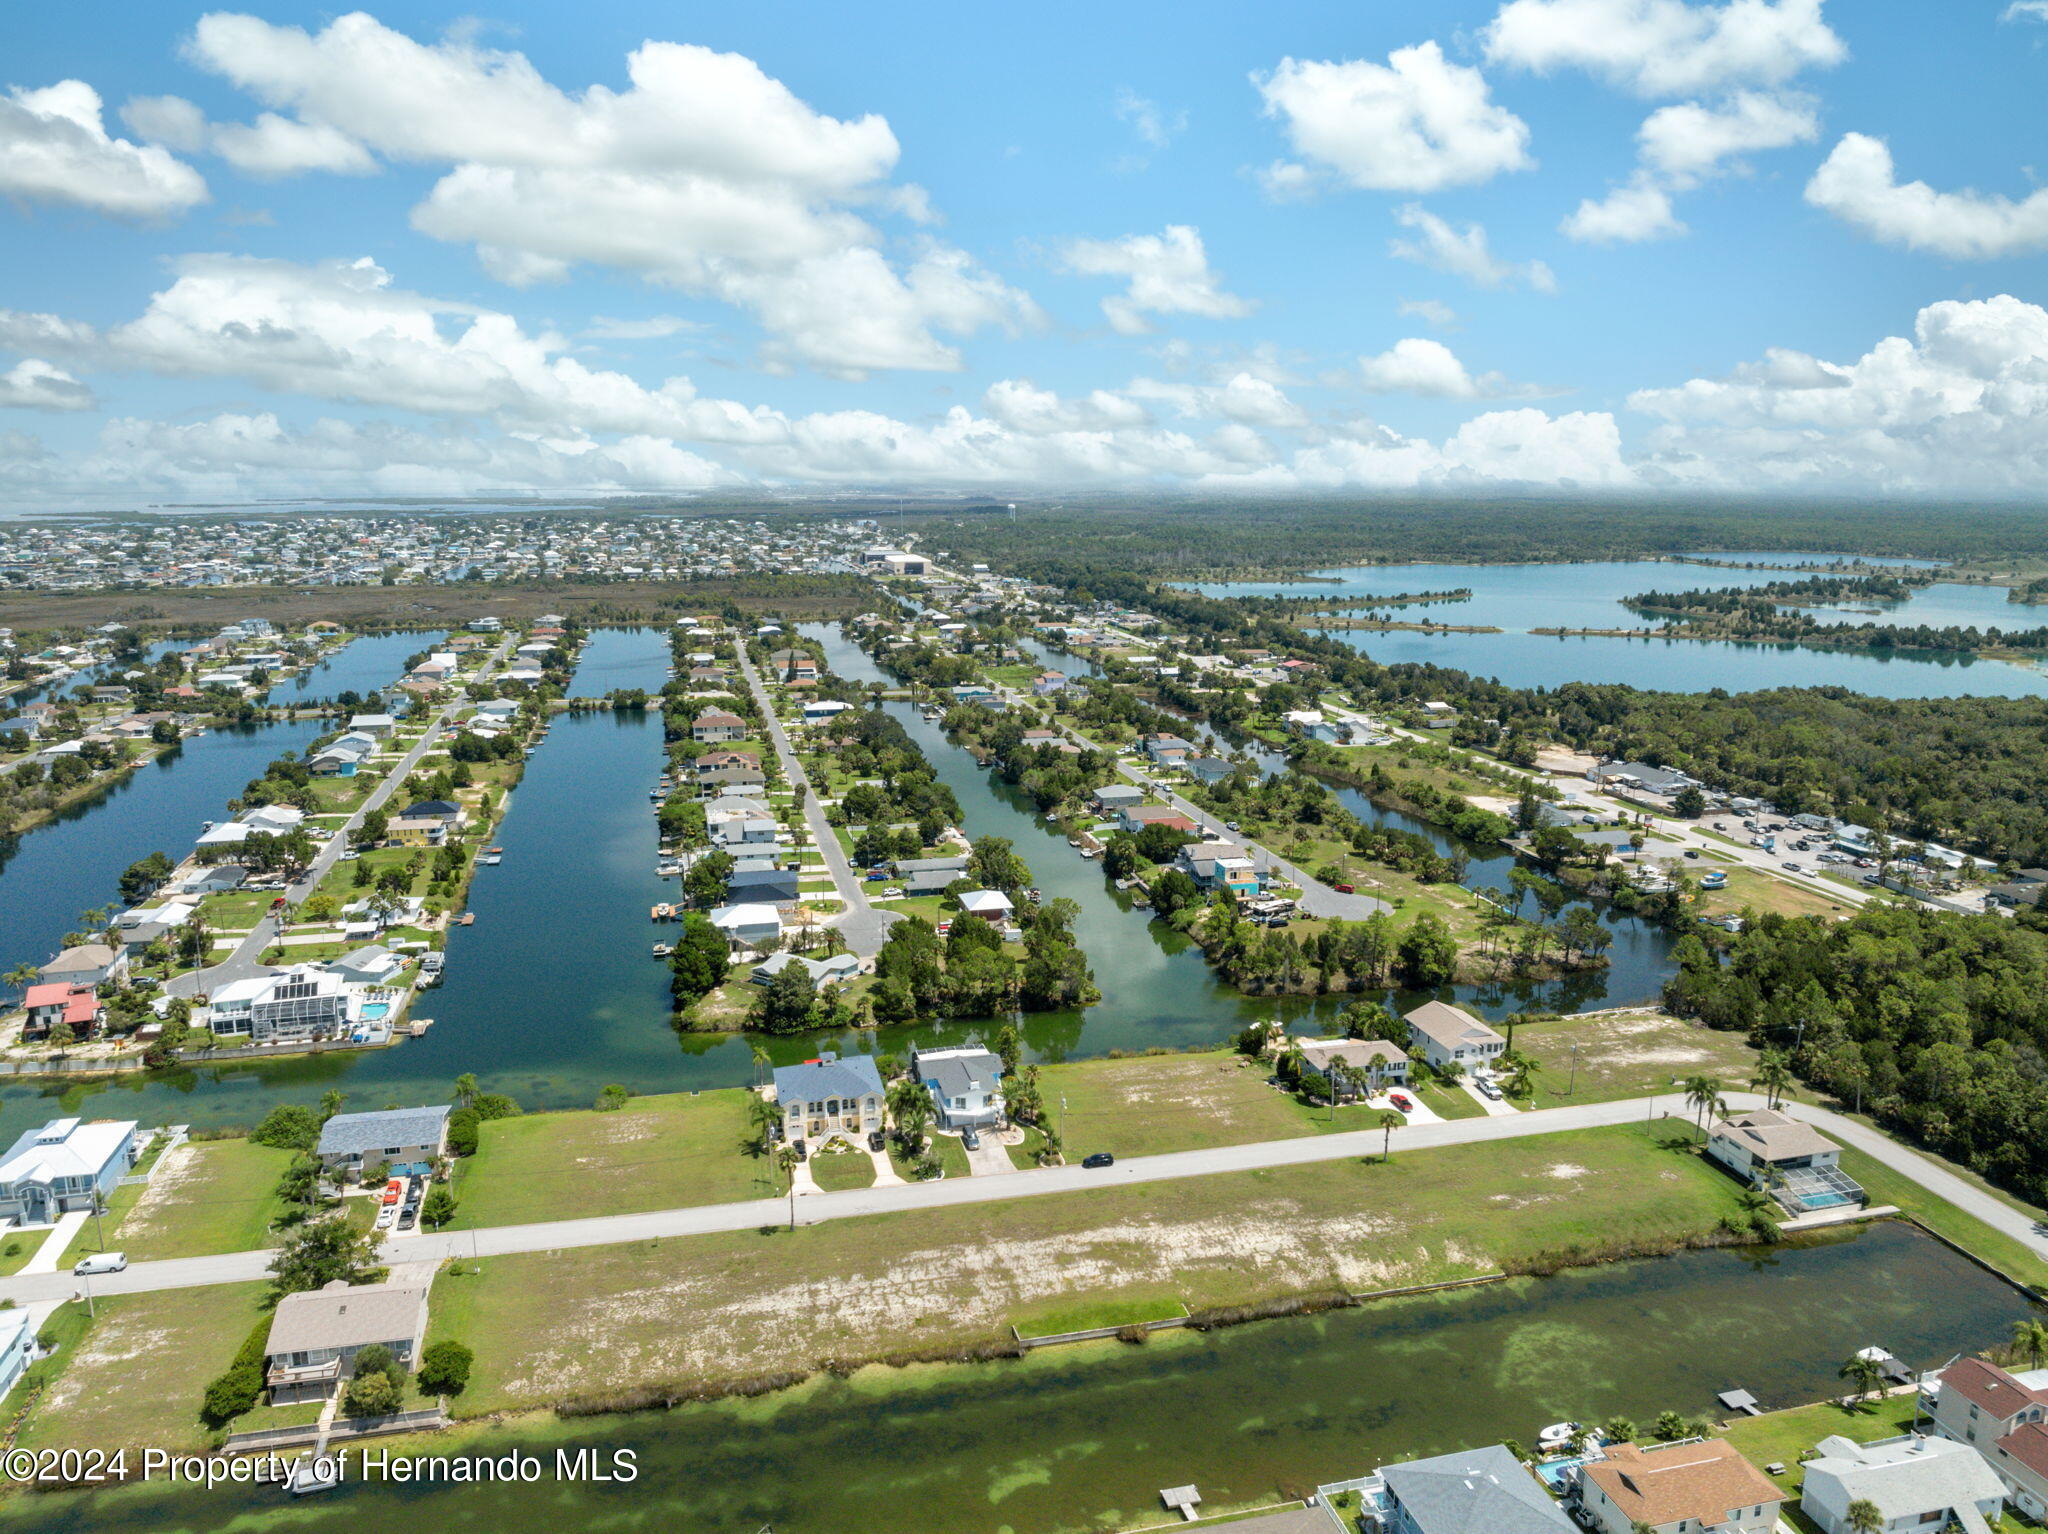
1740,1401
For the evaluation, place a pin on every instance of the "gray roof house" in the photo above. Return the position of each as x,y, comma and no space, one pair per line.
1475,1491
829,1096
1914,1480
315,1335
965,1085
398,1135
1445,1033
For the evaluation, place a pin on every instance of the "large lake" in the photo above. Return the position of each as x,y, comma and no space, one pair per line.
1519,598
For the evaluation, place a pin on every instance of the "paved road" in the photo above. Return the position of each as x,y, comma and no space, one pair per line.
247,958
812,1209
863,927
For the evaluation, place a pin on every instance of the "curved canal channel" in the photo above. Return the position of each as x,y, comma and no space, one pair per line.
1080,1438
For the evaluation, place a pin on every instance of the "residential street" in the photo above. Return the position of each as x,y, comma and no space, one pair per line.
863,927
811,1209
246,959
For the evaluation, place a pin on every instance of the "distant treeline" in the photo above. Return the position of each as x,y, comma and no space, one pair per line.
1759,613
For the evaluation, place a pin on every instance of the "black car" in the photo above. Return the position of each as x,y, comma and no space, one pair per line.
803,1151
1099,1159
877,1140
1692,852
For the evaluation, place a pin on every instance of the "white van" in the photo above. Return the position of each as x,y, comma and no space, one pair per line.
100,1262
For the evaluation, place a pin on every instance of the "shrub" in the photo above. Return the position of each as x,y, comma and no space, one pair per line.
370,1395
288,1127
444,1368
235,1391
462,1132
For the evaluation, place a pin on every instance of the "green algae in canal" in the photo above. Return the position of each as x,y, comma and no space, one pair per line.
1071,1439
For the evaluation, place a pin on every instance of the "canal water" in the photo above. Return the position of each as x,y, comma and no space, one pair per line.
362,666
616,658
1518,598
1074,1439
52,873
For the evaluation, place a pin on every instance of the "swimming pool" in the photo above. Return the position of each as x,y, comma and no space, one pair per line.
373,1010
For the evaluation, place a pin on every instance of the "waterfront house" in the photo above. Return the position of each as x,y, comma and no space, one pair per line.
1475,1491
58,1168
1766,1148
1112,797
1378,1063
316,1335
819,710
715,724
721,780
1138,816
1695,1486
212,880
77,1007
1915,1482
297,1005
408,832
992,906
89,964
1438,716
373,964
719,761
1208,770
773,886
350,1142
1048,683
829,1096
965,1085
1167,750
1218,865
17,1346
1311,724
2004,1416
1444,1033
928,876
750,925
445,810
835,970
339,760
376,726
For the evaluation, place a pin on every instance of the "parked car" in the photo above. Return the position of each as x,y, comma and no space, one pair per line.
1486,1088
970,1139
877,1140
1692,852
803,1152
410,1217
1099,1159
1589,820
1345,889
387,1216
100,1262
394,1190
1402,1101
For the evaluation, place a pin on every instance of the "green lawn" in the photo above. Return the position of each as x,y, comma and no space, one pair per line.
18,1248
747,1303
655,1153
209,1196
1448,1102
1600,1057
1112,1311
138,1374
843,1169
1156,1103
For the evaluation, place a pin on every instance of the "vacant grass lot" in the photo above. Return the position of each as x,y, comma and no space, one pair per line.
1156,1103
1636,1053
1747,888
206,1196
18,1248
138,1375
654,1153
741,1304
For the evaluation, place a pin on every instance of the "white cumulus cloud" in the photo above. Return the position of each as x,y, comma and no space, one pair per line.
33,384
1857,183
54,147
1462,252
1416,123
1641,210
1666,47
1169,273
1418,365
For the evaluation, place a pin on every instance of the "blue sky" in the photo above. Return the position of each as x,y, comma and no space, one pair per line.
1615,245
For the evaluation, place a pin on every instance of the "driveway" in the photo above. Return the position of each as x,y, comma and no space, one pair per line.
2021,1225
1500,1109
989,1159
863,927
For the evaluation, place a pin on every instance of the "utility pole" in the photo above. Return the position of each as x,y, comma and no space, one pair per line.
1569,1090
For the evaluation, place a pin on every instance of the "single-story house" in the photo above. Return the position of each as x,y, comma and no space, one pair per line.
1445,1033
1047,683
1701,1486
1138,816
1118,796
395,1136
751,925
772,886
58,1168
817,710
376,726
1218,865
992,906
78,1007
316,1335
1167,750
1208,769
89,964
212,880
1381,1064
928,876
965,1085
1475,1491
1915,1481
837,969
829,1096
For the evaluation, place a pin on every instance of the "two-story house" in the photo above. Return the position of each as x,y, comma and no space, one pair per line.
1445,1034
965,1085
1700,1486
829,1096
58,1168
2004,1417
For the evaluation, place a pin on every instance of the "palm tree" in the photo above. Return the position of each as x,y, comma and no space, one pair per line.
22,976
1389,1122
1865,1377
1864,1516
1773,1075
2031,1338
1703,1096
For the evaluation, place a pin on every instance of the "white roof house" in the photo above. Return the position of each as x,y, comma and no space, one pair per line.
989,905
746,925
1913,1480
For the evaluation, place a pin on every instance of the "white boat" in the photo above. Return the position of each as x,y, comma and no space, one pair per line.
1557,1435
312,1474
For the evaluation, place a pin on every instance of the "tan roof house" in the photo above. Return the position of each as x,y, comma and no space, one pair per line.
1445,1033
1700,1487
315,1336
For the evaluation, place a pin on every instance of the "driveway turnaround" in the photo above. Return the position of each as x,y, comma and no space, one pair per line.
816,1208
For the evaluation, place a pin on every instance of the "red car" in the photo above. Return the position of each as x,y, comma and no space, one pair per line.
394,1190
1345,889
1402,1101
